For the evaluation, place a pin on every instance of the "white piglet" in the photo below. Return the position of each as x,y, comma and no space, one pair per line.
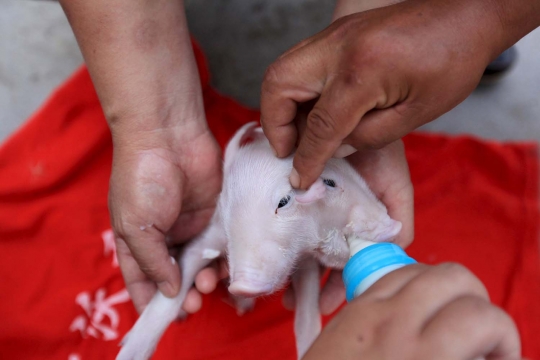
271,233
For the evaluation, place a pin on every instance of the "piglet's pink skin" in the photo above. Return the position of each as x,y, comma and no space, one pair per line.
273,229
271,226
271,233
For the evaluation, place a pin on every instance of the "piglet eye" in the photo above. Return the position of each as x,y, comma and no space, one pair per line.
284,201
329,182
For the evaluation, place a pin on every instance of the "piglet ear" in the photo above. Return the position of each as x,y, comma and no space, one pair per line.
387,230
314,193
245,135
366,225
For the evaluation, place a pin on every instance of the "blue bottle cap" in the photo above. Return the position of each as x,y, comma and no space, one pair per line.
370,259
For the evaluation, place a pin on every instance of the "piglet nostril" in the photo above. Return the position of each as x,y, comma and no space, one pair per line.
249,289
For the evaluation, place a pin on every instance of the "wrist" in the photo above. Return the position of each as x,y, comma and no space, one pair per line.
141,61
491,25
166,130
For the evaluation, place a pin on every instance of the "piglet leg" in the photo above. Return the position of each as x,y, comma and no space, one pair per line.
142,339
242,304
307,317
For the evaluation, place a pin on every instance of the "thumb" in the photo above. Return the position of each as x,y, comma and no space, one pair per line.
335,115
142,209
149,249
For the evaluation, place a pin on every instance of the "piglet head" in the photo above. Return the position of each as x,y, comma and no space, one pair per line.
269,225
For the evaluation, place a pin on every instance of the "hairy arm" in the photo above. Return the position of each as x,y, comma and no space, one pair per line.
166,164
140,58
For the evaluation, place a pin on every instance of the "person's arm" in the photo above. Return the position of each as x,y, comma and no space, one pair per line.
166,164
140,58
375,76
348,7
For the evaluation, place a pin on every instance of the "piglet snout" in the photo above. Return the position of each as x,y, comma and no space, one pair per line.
249,284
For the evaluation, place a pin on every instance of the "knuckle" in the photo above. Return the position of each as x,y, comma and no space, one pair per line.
152,270
342,27
455,270
368,50
464,279
480,309
321,125
272,76
351,79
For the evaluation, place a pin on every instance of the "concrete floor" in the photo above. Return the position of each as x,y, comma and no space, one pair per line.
241,38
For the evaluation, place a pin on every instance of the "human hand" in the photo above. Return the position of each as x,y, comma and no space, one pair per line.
387,174
420,312
162,193
375,76
166,165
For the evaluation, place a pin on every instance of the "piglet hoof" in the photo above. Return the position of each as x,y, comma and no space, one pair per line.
243,305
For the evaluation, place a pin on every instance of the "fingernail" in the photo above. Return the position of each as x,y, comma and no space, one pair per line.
294,179
167,289
173,261
344,150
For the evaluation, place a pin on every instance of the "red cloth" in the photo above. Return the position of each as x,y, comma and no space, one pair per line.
62,295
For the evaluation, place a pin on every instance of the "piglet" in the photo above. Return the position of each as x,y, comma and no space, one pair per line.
271,233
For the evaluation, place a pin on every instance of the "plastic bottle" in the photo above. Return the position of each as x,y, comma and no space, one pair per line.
369,262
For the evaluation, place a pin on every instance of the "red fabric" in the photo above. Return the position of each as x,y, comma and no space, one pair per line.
476,203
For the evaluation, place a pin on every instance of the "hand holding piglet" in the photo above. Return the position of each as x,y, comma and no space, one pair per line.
272,233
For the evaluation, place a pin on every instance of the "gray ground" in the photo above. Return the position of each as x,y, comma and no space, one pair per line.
38,51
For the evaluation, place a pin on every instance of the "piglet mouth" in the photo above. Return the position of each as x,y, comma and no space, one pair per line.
249,284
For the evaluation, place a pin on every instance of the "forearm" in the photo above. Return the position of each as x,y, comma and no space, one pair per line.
516,18
347,7
500,22
141,62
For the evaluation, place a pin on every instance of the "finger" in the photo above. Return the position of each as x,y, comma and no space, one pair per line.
332,294
438,286
207,279
399,194
189,224
379,128
140,288
471,328
193,301
332,119
387,174
298,46
149,249
295,78
319,36
400,205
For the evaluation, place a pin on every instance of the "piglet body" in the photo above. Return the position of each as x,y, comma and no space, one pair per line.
271,233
